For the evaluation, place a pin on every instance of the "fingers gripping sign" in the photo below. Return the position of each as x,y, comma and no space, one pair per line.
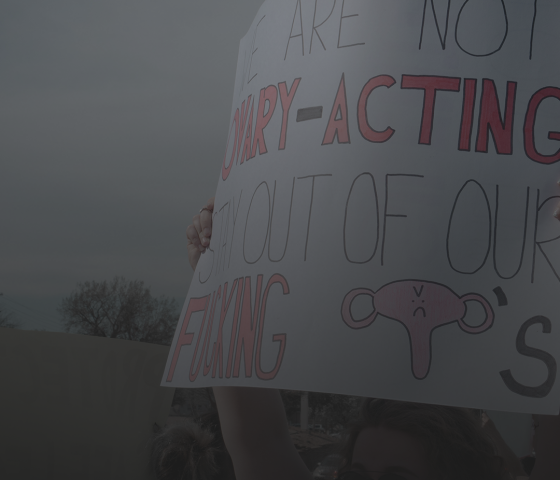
199,233
204,227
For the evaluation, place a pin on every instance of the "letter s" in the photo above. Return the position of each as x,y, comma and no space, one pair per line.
544,389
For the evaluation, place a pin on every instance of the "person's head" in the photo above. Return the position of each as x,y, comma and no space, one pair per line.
184,452
431,442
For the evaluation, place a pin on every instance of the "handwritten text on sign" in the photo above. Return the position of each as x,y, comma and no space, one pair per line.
384,209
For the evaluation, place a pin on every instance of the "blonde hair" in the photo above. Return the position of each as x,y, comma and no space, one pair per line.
184,452
456,446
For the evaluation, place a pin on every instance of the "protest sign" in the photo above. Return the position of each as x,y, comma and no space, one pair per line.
383,221
75,406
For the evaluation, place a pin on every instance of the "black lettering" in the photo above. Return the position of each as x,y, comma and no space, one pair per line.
476,31
533,30
234,214
442,40
346,220
537,244
289,222
342,17
247,222
222,246
476,269
311,208
253,52
496,235
315,27
208,249
385,214
298,4
544,389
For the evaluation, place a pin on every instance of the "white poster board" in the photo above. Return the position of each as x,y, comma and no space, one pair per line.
79,407
383,221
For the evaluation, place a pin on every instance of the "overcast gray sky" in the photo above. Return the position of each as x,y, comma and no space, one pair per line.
106,141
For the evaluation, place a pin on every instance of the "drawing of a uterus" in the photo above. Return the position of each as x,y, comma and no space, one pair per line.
421,307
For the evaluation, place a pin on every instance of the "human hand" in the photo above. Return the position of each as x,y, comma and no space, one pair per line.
199,233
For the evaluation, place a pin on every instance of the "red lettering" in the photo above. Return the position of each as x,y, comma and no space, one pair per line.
192,376
247,328
241,129
249,132
367,132
276,278
529,128
218,345
430,85
226,170
208,336
270,95
195,305
286,98
467,117
490,118
234,328
338,126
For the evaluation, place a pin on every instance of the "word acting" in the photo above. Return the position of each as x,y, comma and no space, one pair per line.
495,121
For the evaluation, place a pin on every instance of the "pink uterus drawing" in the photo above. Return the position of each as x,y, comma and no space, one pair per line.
421,307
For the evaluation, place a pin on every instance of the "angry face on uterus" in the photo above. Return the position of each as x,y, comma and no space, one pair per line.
420,307
383,220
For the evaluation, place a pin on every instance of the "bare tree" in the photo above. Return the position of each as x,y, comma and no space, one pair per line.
119,309
6,319
193,402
